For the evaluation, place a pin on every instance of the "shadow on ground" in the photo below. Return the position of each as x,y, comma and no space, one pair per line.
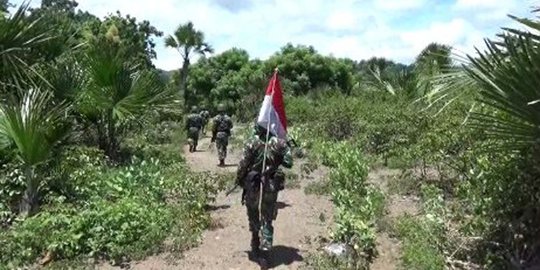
281,205
280,255
230,165
217,207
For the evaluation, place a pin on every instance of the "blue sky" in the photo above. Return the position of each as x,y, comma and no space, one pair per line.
358,29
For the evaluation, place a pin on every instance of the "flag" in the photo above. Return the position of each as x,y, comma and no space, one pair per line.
272,112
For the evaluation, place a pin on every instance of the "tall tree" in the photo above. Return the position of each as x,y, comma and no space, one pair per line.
187,41
432,61
137,37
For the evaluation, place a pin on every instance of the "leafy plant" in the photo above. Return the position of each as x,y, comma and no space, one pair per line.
36,126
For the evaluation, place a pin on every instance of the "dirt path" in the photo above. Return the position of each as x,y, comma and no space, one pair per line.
389,247
225,247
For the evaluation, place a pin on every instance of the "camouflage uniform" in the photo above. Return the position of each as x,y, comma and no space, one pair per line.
221,131
205,117
249,177
193,126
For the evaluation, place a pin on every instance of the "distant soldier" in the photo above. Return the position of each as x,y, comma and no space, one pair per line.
249,176
221,131
193,126
205,114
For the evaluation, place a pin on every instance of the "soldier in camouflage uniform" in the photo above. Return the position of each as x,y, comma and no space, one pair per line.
221,130
193,126
249,176
205,114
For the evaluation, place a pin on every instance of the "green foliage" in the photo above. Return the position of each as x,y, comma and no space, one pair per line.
419,252
20,37
423,237
357,204
135,39
503,76
303,69
113,213
36,126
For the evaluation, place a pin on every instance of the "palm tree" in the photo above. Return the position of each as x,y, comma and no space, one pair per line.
432,60
34,125
117,92
505,77
187,41
20,37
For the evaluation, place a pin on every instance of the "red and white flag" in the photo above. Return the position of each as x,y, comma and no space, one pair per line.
272,114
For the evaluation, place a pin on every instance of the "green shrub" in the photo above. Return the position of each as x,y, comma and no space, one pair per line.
117,213
419,248
357,205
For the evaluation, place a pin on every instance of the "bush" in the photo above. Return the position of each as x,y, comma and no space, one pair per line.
113,213
357,204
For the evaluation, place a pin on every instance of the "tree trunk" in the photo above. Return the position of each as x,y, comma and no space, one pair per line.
29,203
184,73
112,142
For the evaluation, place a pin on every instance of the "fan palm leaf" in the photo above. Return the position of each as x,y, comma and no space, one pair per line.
505,77
34,125
18,37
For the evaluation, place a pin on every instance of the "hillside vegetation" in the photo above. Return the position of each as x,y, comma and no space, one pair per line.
91,137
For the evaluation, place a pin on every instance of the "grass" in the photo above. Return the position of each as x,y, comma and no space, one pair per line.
292,180
420,247
404,184
320,187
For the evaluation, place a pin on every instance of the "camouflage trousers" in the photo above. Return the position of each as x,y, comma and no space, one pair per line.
221,144
268,207
193,138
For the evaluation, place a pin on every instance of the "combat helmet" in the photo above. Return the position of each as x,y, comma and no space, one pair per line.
194,109
221,108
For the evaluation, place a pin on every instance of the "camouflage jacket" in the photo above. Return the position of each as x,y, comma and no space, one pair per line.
222,123
205,115
194,120
277,154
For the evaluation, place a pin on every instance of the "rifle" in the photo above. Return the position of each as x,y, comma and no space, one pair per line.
233,189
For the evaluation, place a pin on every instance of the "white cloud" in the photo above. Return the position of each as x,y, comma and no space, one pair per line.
396,29
342,20
399,4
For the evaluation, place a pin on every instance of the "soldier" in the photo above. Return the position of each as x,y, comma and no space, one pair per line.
221,130
205,116
249,176
193,126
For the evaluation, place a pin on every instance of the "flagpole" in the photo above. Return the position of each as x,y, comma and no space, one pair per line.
266,146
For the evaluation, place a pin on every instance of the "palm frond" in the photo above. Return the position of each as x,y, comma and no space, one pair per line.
35,124
505,78
19,36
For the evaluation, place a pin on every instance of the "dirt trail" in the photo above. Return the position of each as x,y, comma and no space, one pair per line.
225,247
389,247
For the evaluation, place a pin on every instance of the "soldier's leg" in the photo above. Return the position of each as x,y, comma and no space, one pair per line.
269,212
195,141
225,145
190,143
252,205
221,150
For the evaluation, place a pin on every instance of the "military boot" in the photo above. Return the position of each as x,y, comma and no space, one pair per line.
267,238
221,163
255,242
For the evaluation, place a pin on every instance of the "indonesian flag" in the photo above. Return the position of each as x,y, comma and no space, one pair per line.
272,114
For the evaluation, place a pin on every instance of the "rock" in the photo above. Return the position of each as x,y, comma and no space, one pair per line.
337,249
